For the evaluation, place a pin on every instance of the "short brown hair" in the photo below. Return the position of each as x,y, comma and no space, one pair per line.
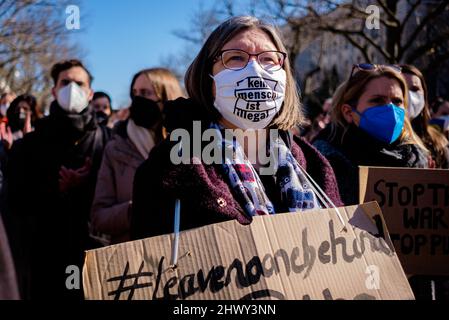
66,65
198,82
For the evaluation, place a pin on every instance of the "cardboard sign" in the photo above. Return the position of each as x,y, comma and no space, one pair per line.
285,256
415,205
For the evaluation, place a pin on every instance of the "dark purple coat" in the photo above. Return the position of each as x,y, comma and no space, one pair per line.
204,193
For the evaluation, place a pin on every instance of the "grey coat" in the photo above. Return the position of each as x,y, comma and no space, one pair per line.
112,203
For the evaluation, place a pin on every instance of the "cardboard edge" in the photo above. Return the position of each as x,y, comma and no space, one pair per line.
363,182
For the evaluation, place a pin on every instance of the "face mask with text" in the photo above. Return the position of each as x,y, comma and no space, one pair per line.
251,97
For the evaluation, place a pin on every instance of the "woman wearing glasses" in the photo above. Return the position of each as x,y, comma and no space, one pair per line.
241,79
369,127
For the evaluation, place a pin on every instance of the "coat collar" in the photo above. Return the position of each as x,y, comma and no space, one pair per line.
207,184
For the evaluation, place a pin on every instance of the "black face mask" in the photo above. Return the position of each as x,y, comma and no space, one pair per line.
145,112
17,121
102,118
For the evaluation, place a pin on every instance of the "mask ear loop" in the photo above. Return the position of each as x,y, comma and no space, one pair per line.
320,194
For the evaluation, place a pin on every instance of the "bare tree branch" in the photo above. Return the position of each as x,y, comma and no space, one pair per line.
427,19
32,38
412,10
390,13
427,47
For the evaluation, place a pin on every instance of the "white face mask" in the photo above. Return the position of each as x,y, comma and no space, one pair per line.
415,104
251,97
72,98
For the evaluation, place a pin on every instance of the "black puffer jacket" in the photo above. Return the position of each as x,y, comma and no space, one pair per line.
347,151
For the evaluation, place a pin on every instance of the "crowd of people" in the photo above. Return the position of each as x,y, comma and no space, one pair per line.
77,179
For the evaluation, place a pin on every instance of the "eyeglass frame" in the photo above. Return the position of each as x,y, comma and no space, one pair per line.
219,56
395,67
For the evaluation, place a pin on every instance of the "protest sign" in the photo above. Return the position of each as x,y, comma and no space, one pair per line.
415,206
306,255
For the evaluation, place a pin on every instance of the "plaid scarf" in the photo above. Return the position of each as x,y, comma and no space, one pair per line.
296,191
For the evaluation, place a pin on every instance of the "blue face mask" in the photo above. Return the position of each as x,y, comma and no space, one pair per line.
384,123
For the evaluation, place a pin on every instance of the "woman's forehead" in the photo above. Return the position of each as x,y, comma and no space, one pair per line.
384,86
143,81
412,78
251,40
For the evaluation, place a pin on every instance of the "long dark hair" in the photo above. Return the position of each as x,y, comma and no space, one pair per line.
13,109
435,141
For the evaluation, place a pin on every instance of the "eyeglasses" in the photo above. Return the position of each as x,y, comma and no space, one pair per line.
236,59
373,67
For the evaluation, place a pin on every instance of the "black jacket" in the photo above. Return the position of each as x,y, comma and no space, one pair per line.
347,151
49,229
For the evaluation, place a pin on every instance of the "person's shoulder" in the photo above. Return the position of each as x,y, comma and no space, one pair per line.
120,128
325,147
35,141
419,158
30,140
315,147
25,147
163,150
407,147
307,152
159,157
332,153
120,148
301,142
180,114
112,145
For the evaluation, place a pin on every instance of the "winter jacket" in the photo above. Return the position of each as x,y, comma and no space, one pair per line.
49,228
347,151
112,203
205,195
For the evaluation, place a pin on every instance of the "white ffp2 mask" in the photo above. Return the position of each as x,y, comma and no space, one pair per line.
415,104
251,97
72,98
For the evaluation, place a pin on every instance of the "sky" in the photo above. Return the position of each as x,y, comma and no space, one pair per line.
121,37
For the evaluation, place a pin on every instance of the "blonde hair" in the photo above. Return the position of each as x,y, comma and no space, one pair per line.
350,92
165,83
198,83
166,87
